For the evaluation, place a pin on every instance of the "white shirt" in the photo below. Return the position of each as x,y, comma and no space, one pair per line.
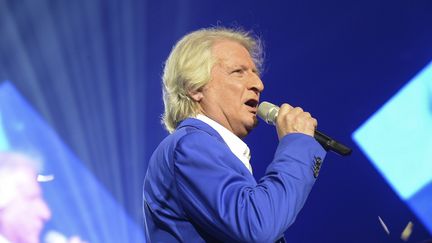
235,144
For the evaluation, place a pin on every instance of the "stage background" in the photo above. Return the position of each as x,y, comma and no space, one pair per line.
91,69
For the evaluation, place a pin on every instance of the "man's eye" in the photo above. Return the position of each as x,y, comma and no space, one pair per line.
240,71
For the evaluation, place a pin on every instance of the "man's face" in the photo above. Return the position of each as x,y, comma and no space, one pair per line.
22,219
231,96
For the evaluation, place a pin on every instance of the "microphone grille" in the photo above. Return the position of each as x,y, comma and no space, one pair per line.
268,112
53,236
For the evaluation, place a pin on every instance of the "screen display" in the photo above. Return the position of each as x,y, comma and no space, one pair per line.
73,202
398,141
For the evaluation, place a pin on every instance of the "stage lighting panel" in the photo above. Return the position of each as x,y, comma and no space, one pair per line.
397,139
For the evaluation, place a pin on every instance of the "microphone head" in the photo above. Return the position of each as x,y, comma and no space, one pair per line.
55,237
268,112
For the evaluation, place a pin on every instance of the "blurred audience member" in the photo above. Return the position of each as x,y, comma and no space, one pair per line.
23,211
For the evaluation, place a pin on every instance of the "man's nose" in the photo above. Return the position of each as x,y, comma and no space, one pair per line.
44,210
256,84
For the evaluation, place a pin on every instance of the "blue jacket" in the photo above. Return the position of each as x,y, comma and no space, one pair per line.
197,190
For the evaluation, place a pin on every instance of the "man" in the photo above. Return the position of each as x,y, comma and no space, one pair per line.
23,211
199,186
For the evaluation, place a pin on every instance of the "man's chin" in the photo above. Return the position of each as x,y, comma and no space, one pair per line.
251,126
255,124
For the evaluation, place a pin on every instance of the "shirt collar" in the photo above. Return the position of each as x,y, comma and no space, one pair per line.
236,145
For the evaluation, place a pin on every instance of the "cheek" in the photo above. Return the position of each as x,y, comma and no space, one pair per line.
22,210
233,93
18,211
14,218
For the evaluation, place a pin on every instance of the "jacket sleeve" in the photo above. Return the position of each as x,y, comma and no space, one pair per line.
226,205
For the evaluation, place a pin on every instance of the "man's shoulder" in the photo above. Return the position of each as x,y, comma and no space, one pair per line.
191,129
194,128
193,125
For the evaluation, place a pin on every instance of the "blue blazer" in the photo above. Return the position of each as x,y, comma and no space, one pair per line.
197,190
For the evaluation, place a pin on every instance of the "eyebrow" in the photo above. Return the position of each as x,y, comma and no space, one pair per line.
243,67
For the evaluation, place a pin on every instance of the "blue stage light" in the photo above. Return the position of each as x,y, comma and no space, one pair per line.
398,141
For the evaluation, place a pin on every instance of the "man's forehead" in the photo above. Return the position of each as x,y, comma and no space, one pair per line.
236,63
227,49
25,181
235,60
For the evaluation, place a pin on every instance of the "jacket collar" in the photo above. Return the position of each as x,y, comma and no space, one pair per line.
193,122
238,148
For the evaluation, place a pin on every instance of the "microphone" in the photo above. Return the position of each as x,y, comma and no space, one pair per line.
269,112
55,237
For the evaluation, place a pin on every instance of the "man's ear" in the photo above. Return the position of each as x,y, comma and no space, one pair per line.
196,95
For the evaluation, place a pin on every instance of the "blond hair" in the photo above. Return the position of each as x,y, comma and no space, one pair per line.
189,65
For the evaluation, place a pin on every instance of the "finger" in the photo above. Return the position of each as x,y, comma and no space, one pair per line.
315,122
305,115
296,111
306,119
283,110
309,119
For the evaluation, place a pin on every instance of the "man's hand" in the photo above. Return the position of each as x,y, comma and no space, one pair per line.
294,120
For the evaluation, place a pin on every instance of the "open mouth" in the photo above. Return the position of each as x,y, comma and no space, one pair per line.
253,104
